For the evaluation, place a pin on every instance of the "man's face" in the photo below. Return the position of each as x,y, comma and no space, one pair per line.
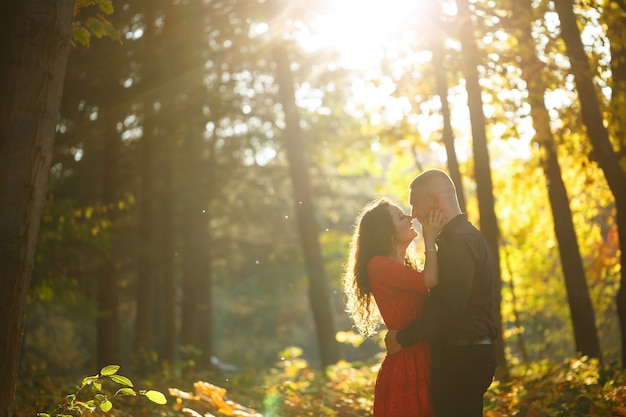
420,203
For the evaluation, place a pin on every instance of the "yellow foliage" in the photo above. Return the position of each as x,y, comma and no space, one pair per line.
208,397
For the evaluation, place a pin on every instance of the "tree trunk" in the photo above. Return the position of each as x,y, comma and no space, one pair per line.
36,41
168,329
196,282
482,169
145,340
598,134
197,308
616,31
108,348
319,294
144,331
589,104
581,308
441,84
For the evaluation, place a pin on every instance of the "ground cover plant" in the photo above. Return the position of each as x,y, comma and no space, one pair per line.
577,387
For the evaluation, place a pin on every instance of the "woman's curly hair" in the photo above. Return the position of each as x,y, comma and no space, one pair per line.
374,235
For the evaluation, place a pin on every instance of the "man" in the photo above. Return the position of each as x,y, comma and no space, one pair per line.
457,319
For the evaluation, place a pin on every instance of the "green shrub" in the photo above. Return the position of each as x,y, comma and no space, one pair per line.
92,396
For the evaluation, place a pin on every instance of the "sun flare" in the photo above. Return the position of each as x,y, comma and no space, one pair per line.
363,32
360,29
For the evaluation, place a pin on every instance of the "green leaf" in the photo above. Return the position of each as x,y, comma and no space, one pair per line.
109,370
97,386
89,405
106,6
156,397
80,35
89,380
43,415
106,406
96,26
122,380
125,391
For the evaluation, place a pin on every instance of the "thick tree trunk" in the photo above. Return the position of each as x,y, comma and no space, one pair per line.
616,23
36,41
581,308
603,150
482,169
319,292
197,304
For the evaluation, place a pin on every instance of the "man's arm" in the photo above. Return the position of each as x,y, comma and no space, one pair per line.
395,340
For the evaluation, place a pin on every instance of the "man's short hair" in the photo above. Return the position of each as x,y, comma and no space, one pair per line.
427,177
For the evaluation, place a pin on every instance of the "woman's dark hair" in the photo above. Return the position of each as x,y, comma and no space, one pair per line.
374,235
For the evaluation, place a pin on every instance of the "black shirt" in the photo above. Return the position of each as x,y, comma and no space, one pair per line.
461,305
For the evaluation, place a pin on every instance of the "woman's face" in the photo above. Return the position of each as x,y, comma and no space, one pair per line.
402,222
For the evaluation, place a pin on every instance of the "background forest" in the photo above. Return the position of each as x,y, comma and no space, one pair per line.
211,158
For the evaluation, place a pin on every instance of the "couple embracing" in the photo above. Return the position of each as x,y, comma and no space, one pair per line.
440,358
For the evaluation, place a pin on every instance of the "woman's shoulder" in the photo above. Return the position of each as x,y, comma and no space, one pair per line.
378,259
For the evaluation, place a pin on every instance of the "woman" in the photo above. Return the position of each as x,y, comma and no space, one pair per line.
382,280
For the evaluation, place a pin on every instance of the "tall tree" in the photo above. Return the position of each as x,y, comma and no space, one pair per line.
581,308
108,337
615,17
160,119
166,317
482,166
436,36
319,291
597,132
197,311
36,41
145,292
589,103
110,106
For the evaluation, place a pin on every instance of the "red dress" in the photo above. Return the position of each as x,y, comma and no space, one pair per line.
403,381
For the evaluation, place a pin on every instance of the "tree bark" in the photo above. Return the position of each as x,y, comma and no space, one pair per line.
581,308
36,38
598,134
144,329
616,31
197,304
168,330
196,307
108,344
589,104
319,293
482,169
145,287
